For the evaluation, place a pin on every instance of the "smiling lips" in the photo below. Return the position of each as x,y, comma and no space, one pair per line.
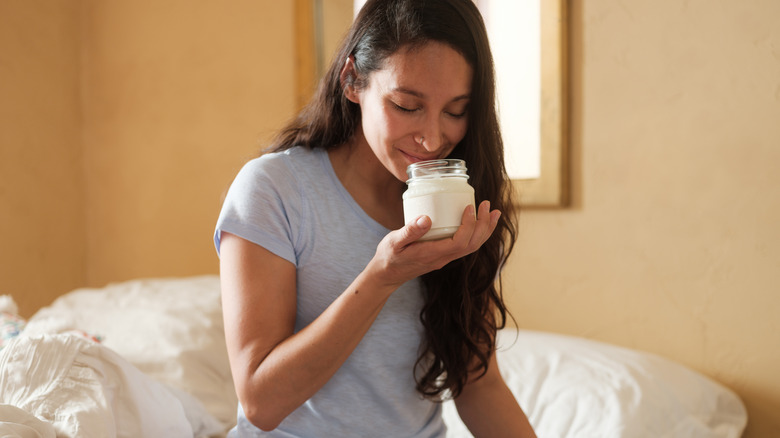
418,158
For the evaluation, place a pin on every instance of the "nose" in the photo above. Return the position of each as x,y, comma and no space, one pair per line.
431,136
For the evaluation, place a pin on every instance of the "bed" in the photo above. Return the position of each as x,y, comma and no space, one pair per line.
147,358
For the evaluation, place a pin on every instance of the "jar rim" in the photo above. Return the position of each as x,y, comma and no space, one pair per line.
437,168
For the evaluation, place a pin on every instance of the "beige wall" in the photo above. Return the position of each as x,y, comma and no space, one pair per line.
178,95
122,125
41,183
671,245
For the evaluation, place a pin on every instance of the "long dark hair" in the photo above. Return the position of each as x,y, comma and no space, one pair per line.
463,301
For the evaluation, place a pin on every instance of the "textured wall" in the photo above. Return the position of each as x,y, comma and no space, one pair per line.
177,96
122,125
673,245
41,186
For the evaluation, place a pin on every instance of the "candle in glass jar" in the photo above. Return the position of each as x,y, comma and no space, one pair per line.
440,190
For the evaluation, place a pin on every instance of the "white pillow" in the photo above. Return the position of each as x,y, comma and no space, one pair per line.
170,329
574,387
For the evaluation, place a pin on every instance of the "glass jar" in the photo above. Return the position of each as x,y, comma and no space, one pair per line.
440,190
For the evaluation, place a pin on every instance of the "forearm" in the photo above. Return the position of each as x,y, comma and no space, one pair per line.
489,409
296,368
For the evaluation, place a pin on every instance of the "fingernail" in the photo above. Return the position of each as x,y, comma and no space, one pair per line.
421,221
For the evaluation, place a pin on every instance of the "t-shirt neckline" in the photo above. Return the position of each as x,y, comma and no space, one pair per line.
348,199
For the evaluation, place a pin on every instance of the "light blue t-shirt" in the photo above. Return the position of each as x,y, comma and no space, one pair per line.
293,204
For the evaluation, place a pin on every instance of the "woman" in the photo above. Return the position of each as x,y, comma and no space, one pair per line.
336,325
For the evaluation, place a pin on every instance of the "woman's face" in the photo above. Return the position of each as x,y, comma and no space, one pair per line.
415,107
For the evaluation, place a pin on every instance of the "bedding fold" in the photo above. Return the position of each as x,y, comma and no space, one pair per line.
84,389
16,423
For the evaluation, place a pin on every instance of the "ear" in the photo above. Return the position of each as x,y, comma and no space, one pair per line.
347,78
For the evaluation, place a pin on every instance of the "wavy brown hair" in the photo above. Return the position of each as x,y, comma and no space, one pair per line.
464,305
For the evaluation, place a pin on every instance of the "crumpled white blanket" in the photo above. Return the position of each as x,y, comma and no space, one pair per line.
82,389
16,423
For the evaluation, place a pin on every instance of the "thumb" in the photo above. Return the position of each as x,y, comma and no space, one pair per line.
414,230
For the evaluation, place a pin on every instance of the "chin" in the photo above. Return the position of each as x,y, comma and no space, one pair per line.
400,174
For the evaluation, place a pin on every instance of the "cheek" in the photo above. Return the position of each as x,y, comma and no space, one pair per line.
458,131
375,127
397,126
455,133
388,126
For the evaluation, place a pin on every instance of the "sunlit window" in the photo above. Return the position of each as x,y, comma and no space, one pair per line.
515,39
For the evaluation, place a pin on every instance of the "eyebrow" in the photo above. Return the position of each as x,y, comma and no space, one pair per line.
421,95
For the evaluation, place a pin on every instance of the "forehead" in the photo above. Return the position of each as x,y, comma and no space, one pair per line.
434,69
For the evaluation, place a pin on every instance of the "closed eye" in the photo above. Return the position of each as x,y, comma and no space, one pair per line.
404,109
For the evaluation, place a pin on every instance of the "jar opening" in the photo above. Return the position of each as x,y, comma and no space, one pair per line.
437,168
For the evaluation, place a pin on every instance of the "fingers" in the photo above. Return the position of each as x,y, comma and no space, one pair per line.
412,231
401,256
486,224
474,231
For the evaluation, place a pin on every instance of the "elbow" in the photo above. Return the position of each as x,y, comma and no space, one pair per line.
263,404
262,412
261,415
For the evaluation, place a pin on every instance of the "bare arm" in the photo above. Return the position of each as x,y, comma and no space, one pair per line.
276,370
489,409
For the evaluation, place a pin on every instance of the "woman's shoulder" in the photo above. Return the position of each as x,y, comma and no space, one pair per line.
280,165
293,160
275,181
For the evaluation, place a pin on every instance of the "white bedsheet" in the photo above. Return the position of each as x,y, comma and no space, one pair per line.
171,331
82,389
15,422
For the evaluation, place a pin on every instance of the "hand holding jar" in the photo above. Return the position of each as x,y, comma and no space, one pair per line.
442,223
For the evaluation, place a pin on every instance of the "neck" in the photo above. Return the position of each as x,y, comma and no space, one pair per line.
371,185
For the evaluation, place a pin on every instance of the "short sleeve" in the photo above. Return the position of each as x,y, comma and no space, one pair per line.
261,205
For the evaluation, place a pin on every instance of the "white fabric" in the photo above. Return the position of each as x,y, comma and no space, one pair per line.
170,329
7,304
86,390
568,386
16,423
574,387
